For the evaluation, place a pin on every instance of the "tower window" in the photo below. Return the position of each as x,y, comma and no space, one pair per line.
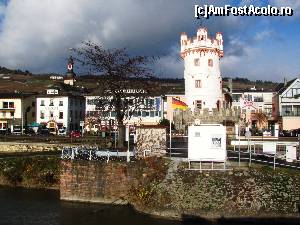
51,102
198,104
198,84
210,63
197,62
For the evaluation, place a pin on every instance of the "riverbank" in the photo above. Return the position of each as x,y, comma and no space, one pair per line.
30,172
151,187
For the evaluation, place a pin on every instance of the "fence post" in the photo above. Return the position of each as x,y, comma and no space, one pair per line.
250,157
239,157
274,166
72,155
90,158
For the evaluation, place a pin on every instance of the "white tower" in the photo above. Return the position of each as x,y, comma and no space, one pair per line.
203,81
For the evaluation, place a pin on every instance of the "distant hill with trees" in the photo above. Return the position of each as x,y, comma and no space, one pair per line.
4,70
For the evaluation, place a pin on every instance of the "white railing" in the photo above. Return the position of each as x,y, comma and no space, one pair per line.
93,153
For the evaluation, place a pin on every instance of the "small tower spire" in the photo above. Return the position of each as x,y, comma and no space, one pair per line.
70,75
70,64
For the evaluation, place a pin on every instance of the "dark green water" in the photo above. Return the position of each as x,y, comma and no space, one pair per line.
36,207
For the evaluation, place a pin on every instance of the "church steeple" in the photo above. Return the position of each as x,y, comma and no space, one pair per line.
70,75
70,64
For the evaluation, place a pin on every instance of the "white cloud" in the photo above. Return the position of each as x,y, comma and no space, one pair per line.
170,65
240,59
2,9
35,35
264,34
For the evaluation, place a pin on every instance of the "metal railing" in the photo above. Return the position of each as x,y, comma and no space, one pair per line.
55,139
251,153
275,160
94,153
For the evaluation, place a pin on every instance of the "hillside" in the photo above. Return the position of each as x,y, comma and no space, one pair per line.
20,81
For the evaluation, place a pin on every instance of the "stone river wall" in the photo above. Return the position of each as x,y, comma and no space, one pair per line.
16,147
147,186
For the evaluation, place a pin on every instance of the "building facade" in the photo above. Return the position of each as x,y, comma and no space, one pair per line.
252,102
203,80
287,104
97,118
58,110
16,109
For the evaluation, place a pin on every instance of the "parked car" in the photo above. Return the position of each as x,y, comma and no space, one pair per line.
295,132
30,132
17,130
43,132
52,131
75,134
62,132
267,133
5,131
289,133
284,133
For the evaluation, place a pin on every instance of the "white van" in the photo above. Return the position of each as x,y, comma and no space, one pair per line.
16,130
62,132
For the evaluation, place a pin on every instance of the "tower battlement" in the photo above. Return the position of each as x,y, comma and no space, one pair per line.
201,43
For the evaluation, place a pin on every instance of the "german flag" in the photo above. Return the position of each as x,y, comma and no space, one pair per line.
176,104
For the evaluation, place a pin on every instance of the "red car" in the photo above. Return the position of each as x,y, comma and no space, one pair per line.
75,134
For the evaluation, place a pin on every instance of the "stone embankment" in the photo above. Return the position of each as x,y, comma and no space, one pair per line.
17,147
146,185
30,172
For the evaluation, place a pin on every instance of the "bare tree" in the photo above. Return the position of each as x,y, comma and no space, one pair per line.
262,120
125,80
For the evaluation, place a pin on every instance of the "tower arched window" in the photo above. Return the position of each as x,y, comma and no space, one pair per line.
210,63
198,84
197,62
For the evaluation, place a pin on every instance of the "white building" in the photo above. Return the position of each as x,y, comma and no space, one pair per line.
98,119
16,109
255,101
203,80
287,104
57,110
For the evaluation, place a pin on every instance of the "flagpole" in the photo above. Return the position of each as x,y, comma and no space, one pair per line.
170,124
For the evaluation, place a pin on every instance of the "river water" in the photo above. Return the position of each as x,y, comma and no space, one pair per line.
43,207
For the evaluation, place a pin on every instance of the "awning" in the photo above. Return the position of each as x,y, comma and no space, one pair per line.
34,124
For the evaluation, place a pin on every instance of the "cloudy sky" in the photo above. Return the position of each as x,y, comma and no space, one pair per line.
36,35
